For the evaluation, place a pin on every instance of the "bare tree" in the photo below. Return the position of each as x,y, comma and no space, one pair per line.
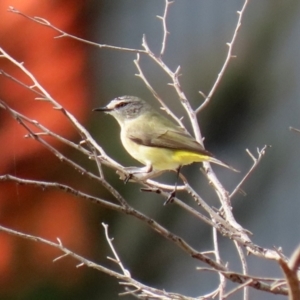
222,220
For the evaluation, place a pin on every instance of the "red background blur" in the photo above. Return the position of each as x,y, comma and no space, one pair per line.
59,65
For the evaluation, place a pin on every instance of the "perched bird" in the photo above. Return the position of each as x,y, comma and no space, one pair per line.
154,140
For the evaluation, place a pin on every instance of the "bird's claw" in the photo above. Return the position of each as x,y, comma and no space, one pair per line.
170,198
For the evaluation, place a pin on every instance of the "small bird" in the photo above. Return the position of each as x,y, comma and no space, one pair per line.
153,139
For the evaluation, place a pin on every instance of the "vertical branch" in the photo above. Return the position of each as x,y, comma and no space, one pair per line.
222,284
290,271
176,84
164,23
244,268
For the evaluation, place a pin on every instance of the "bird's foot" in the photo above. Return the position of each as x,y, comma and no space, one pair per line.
131,172
128,176
170,198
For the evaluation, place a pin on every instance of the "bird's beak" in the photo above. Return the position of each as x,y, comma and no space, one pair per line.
105,109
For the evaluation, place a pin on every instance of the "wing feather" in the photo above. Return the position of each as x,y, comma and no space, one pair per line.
162,133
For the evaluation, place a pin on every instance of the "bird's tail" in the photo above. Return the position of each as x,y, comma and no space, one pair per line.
218,162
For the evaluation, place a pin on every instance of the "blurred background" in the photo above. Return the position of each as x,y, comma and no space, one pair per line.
255,104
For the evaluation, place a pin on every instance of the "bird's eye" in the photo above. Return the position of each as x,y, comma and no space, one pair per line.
121,104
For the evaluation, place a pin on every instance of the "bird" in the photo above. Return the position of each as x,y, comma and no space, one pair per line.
153,139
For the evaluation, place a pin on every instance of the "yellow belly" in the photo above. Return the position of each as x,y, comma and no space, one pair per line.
161,158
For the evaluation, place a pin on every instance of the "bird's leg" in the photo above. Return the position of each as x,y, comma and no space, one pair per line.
173,193
135,170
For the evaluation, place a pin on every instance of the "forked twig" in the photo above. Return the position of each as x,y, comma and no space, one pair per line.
116,259
227,60
63,34
239,287
256,161
290,271
126,280
164,23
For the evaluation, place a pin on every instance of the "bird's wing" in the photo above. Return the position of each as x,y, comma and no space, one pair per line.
163,133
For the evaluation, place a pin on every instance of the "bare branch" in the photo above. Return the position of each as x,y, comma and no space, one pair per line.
63,34
64,188
178,241
260,283
220,190
294,129
244,268
233,291
154,93
227,60
63,158
164,23
235,277
46,97
221,221
127,280
256,161
294,262
222,193
67,252
117,259
290,271
222,284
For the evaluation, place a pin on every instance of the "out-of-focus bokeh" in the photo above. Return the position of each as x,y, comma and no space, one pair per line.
256,102
26,268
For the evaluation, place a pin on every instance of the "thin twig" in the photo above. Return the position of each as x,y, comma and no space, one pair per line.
178,241
227,60
244,268
222,284
259,283
294,129
62,248
64,188
164,23
117,259
210,295
63,34
233,291
154,93
176,84
63,158
127,280
37,88
215,216
246,277
256,161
